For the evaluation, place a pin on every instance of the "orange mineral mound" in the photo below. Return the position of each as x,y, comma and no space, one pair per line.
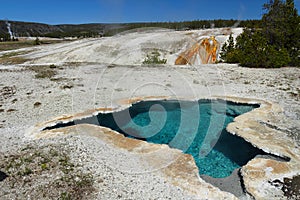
204,52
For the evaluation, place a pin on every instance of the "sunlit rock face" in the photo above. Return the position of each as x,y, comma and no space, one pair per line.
203,52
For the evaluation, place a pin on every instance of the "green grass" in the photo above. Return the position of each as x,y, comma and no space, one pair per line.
42,72
12,45
154,58
32,164
13,58
5,46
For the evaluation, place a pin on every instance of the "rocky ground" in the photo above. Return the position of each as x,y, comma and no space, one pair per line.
73,166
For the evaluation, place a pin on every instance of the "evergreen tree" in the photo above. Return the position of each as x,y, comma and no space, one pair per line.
281,26
228,51
37,41
277,44
254,51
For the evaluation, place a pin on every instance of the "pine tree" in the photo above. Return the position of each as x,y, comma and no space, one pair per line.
277,44
228,51
37,41
254,51
281,26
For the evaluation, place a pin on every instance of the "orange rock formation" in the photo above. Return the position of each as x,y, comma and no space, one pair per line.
206,51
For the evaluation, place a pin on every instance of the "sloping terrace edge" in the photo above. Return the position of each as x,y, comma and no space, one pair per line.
257,173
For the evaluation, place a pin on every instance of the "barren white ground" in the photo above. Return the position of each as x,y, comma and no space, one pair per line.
94,73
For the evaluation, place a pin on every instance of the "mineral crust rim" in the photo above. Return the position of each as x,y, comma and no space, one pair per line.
246,126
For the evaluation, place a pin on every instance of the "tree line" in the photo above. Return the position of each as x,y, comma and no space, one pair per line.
96,30
188,25
275,44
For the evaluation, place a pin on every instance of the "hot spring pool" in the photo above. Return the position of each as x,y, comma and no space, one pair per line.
195,127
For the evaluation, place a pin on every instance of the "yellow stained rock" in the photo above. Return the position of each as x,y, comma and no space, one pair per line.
206,51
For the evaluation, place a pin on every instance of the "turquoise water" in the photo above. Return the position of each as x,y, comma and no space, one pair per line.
195,127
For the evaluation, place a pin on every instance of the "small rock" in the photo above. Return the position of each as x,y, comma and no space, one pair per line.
196,82
68,86
37,104
29,93
100,180
3,176
52,66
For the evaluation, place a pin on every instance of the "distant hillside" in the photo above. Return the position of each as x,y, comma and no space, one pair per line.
88,30
29,29
25,29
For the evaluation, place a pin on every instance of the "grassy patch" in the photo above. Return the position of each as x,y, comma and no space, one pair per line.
67,86
5,46
7,92
295,94
154,58
13,58
59,79
44,71
49,165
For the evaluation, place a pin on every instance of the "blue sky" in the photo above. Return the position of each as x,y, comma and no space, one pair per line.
108,11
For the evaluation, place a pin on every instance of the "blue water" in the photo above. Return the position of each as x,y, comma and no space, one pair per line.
195,127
